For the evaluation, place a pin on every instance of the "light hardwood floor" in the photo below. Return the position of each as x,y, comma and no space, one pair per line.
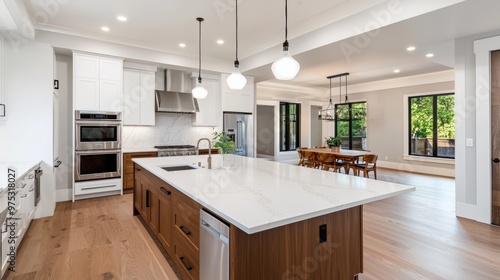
413,236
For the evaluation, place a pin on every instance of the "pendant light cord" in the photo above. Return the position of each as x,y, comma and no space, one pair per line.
236,63
286,20
330,91
199,50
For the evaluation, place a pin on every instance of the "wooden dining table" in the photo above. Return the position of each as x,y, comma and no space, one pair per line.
349,156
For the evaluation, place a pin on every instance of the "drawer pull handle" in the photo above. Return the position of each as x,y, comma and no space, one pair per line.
187,267
165,191
185,231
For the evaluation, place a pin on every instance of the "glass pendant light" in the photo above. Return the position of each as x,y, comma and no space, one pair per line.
285,68
236,80
199,91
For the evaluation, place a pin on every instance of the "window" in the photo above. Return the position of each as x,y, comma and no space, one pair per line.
350,125
432,125
289,126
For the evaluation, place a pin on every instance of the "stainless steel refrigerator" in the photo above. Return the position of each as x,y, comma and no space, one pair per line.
239,126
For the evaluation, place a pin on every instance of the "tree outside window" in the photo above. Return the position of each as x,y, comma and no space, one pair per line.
432,125
350,125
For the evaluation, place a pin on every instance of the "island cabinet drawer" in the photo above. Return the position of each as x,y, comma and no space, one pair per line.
186,218
186,257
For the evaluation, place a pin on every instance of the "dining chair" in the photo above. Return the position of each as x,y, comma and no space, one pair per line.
326,161
300,151
368,164
310,159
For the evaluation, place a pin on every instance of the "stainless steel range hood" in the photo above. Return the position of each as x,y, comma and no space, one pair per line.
177,97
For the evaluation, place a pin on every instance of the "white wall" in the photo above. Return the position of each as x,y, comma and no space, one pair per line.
473,168
27,134
64,73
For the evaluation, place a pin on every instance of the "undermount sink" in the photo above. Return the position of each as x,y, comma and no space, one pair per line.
178,167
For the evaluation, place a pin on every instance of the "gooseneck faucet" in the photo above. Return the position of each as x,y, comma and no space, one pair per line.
209,160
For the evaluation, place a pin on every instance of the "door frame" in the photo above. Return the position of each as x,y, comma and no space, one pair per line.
483,49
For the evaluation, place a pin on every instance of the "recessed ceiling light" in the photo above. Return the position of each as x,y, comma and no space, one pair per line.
182,45
220,42
105,28
121,18
397,71
429,55
411,49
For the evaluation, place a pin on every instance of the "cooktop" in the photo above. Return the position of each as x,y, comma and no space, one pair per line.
175,147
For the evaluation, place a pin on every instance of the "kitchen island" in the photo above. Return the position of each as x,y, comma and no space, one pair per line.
286,221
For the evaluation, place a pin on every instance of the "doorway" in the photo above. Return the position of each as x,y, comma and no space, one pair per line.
316,127
265,131
495,137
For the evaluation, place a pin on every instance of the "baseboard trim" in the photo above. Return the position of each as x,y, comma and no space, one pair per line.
439,171
467,211
63,195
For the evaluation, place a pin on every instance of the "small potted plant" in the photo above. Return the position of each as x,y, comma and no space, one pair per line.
334,143
223,142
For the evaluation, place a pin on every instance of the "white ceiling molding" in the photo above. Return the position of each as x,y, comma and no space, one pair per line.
424,79
64,41
6,20
14,20
276,91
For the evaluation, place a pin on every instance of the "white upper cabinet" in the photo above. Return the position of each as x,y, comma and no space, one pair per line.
210,110
110,96
86,94
98,83
110,69
88,66
138,97
242,100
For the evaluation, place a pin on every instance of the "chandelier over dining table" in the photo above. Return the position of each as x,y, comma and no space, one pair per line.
328,114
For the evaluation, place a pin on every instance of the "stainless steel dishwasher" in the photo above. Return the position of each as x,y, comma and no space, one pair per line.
214,248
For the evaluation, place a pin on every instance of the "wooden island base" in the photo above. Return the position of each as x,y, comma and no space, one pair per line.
294,251
325,247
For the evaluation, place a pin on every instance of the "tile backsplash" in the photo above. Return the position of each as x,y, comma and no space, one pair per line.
170,129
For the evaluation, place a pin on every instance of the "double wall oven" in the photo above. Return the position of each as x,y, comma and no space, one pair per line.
97,145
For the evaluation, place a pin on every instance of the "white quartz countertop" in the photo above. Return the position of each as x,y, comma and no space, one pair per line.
139,150
21,169
257,195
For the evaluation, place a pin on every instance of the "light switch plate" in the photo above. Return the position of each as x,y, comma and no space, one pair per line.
469,142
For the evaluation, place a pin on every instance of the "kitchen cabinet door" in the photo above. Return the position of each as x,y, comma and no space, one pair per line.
110,96
138,188
138,97
165,218
110,69
154,207
86,93
210,112
147,103
131,97
242,100
86,66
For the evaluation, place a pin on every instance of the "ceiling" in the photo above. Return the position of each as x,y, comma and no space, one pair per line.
326,36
